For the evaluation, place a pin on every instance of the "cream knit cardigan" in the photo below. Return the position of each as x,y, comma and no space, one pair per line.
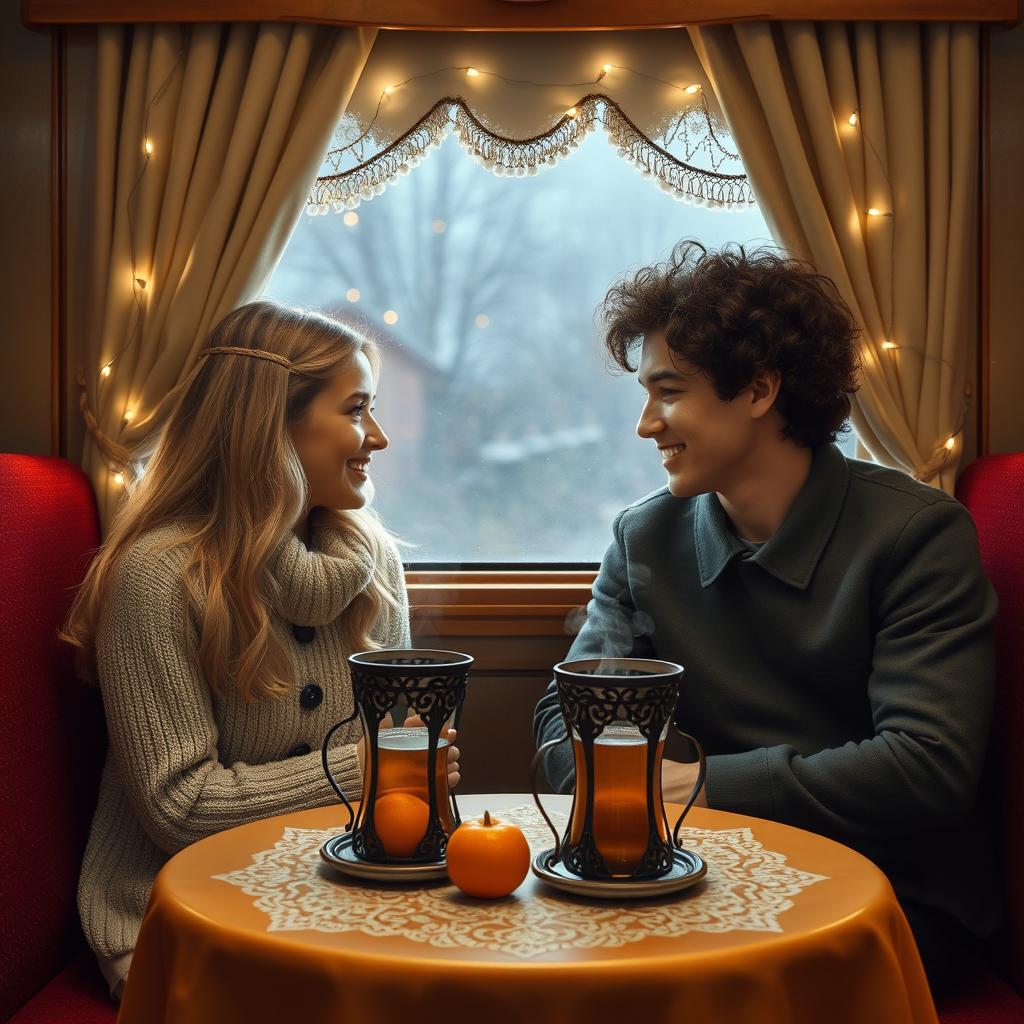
182,764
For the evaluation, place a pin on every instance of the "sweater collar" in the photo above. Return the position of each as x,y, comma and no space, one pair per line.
793,552
314,585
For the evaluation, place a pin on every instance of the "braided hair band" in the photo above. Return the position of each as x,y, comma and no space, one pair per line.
256,353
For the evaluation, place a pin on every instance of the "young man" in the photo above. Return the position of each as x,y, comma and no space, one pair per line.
831,615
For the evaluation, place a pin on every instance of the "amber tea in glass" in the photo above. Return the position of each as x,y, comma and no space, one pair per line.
620,796
402,768
616,713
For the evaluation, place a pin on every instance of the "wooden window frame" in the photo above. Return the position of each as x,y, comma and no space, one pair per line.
494,608
498,603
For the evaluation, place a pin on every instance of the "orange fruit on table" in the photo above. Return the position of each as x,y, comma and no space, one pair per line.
487,858
400,820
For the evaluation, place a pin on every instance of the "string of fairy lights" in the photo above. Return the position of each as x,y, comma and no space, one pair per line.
116,454
141,285
141,281
350,218
471,72
941,454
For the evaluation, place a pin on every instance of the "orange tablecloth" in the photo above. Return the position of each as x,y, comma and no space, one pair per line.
788,927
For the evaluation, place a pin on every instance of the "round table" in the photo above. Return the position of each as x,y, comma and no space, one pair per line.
249,925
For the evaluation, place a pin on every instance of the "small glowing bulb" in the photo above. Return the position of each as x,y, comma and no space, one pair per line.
148,147
351,219
388,90
889,344
472,73
607,67
439,227
873,211
571,112
391,317
352,295
950,443
691,89
482,320
129,415
119,479
853,117
105,372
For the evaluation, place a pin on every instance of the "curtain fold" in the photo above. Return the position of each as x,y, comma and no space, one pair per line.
909,275
208,138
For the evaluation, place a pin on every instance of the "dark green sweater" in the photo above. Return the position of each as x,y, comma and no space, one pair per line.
840,677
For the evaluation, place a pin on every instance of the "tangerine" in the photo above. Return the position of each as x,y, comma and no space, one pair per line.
488,858
400,820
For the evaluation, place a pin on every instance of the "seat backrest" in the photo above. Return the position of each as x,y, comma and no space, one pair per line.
52,736
992,488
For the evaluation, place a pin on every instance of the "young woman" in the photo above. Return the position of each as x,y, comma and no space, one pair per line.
242,570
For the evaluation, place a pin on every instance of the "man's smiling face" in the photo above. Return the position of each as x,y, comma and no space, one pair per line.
702,440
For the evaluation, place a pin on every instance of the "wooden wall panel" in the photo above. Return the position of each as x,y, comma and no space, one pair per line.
26,352
496,735
508,677
1004,354
446,15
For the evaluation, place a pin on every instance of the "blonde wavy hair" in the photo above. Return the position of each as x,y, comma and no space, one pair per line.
223,467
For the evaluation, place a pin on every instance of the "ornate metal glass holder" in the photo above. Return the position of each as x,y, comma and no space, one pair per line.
617,713
427,683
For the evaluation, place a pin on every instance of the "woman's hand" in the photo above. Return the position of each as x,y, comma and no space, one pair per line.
415,722
386,723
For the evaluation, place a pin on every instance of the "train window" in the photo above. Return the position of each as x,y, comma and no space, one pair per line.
511,440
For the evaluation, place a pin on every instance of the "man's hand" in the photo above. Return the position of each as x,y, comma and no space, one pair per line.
677,782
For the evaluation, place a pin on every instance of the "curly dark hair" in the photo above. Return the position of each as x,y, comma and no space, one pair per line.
732,314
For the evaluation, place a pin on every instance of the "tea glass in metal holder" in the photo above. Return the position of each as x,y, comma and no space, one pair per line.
617,713
387,685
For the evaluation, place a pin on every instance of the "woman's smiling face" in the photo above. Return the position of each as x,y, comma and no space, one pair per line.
337,436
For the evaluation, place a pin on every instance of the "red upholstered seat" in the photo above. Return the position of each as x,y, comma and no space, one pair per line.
52,740
992,488
78,995
980,997
51,744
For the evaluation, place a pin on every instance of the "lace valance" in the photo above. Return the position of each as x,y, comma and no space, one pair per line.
524,103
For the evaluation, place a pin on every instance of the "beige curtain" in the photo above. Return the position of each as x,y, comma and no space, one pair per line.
207,140
788,91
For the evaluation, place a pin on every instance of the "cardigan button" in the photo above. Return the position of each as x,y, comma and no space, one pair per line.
304,634
299,749
311,697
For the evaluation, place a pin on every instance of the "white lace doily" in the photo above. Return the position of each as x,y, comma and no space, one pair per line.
746,889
